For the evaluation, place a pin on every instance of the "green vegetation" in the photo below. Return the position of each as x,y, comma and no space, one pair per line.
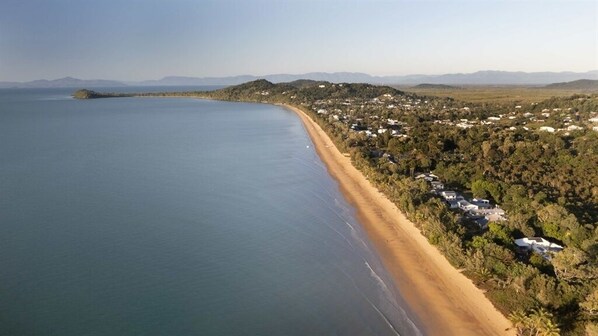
436,87
495,94
546,181
582,85
89,94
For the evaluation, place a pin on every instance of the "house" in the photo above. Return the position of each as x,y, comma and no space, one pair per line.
466,206
464,125
539,245
486,211
547,129
574,128
427,176
481,203
437,185
448,195
453,204
481,221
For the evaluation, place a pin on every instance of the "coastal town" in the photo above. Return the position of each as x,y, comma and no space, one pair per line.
506,191
392,115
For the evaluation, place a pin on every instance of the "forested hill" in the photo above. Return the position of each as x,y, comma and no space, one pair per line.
304,90
536,160
582,84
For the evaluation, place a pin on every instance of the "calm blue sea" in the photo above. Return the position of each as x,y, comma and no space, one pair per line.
151,216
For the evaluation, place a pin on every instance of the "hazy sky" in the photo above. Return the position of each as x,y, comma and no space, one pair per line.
149,39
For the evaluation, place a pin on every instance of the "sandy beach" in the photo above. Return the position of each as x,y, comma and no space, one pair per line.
446,301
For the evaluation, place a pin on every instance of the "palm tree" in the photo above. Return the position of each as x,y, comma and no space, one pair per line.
538,323
521,321
543,323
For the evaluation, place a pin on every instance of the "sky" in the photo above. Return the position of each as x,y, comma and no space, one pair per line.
149,39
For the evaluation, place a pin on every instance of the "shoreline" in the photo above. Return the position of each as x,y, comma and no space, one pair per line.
447,302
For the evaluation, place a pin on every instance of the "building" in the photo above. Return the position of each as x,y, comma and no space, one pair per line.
481,203
466,206
538,245
448,195
427,176
437,185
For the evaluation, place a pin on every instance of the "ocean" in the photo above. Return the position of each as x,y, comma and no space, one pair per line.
174,216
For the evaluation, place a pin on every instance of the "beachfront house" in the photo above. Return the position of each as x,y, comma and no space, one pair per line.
538,245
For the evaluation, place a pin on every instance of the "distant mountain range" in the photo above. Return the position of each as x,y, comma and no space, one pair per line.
66,82
476,78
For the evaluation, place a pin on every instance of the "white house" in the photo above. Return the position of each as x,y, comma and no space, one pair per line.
547,129
437,185
448,195
427,176
574,128
539,245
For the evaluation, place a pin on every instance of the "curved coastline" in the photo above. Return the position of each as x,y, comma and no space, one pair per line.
440,296
443,299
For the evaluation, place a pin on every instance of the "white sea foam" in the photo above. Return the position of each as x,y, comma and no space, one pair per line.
389,295
378,279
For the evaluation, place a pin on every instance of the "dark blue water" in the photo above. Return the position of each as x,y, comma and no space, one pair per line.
149,216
